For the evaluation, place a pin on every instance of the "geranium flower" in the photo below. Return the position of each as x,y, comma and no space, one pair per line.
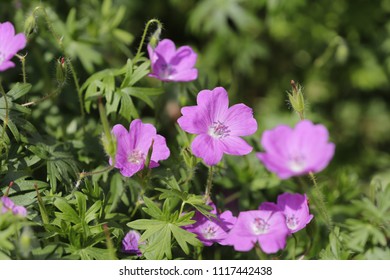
212,230
171,65
131,242
295,208
10,44
292,152
133,147
268,228
218,127
9,205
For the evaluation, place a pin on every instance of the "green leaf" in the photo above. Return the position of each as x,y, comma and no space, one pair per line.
183,237
67,212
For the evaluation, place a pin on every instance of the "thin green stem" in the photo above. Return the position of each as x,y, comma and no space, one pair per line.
295,246
209,184
62,48
31,103
22,59
5,123
159,25
318,200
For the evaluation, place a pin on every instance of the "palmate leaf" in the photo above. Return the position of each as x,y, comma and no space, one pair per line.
158,232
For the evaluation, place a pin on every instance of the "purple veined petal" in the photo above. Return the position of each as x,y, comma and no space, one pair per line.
207,148
129,169
152,55
194,120
165,48
185,58
160,149
275,141
216,101
130,243
7,32
186,75
16,44
234,145
123,145
141,136
296,210
240,120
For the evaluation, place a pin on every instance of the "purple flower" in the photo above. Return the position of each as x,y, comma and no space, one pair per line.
291,152
295,208
218,127
171,65
131,242
10,44
266,227
133,147
9,205
212,230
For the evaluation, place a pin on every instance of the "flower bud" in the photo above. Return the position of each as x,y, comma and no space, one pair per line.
29,25
155,38
61,71
296,98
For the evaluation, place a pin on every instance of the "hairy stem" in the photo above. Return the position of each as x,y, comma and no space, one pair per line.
159,25
209,184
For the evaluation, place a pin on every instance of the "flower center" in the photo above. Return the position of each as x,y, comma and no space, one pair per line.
260,226
218,130
209,232
166,70
136,157
297,163
292,222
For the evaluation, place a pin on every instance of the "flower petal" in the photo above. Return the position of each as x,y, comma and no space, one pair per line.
166,48
141,135
207,148
240,120
234,145
185,58
193,120
186,75
216,102
160,149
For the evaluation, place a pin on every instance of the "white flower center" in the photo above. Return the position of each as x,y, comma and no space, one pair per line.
209,232
218,130
136,157
297,163
260,226
292,222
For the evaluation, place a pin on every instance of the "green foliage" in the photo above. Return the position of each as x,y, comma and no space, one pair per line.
80,208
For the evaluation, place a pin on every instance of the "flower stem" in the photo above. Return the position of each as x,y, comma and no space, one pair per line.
318,200
159,25
62,48
22,59
209,184
5,122
31,103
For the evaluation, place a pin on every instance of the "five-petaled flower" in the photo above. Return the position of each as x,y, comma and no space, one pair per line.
9,205
292,152
130,243
133,146
211,230
218,127
171,65
10,44
295,208
263,226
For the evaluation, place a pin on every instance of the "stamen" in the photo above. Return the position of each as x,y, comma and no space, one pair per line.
260,226
218,130
136,157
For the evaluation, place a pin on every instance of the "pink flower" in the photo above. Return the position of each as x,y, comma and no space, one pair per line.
9,205
292,152
131,242
171,65
266,227
212,230
218,127
133,147
10,44
295,208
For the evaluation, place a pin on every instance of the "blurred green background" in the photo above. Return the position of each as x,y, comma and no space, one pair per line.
339,51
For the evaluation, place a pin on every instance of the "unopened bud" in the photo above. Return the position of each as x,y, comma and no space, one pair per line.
155,38
61,71
189,159
29,25
296,98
